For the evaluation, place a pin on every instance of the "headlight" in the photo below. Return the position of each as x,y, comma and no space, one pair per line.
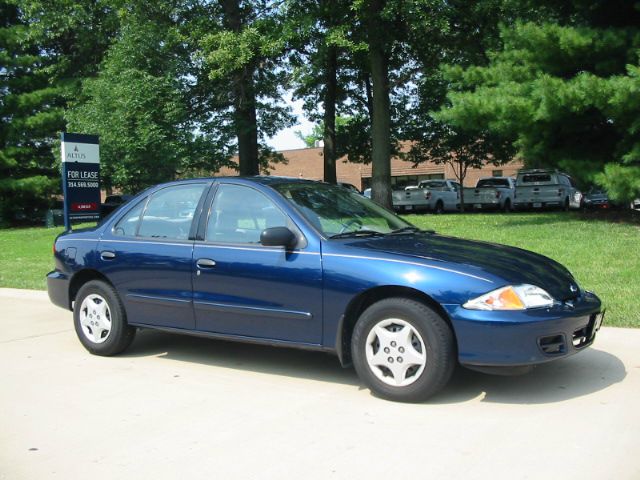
518,297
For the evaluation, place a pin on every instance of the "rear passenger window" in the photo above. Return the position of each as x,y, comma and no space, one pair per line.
169,212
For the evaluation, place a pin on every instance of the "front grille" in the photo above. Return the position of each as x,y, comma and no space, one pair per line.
553,345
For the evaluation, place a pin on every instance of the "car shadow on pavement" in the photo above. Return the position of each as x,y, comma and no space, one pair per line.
265,359
588,372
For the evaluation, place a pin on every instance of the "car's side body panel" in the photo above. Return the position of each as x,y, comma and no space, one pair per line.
259,292
153,279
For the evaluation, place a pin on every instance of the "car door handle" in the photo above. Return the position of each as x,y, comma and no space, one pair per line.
205,263
107,255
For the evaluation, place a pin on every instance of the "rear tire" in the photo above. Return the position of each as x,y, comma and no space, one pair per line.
507,206
439,207
403,350
100,319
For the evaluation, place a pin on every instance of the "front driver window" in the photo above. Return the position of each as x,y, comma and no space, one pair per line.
240,214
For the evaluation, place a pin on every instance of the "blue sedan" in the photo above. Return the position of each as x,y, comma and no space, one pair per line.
305,264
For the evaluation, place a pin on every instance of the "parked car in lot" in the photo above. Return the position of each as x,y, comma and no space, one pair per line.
492,193
305,264
596,198
546,189
433,195
409,199
112,202
54,217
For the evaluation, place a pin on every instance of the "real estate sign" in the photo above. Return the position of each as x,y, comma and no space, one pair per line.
80,177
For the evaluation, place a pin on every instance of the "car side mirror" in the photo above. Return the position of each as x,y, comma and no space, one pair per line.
278,237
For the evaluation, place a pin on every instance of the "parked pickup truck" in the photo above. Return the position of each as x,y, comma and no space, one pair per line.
492,193
545,189
433,195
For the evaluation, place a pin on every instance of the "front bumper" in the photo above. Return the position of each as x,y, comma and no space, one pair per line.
529,337
58,289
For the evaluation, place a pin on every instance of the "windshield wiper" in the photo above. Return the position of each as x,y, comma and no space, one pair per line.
357,233
403,230
400,231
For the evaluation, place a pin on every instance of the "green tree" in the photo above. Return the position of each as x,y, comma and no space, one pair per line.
46,48
461,150
318,45
29,111
564,88
242,51
139,104
318,131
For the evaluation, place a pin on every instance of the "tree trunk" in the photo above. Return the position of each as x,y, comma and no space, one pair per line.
381,122
461,174
244,101
330,92
246,123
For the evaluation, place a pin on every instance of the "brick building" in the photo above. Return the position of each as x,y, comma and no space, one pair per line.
307,163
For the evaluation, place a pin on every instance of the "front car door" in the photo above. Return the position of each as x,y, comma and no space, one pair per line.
242,288
147,255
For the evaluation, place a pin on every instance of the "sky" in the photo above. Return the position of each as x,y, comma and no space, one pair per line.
286,139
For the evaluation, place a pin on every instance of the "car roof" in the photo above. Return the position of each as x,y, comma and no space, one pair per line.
261,179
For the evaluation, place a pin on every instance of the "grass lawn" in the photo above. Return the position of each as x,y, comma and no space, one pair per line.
604,256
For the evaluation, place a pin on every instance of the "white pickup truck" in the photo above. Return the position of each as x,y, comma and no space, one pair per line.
546,189
491,193
433,195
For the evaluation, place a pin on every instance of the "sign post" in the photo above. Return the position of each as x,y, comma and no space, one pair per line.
80,177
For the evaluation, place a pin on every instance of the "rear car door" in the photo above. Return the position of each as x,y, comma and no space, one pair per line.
242,288
147,255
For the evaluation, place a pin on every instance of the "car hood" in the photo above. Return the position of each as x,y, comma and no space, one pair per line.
512,265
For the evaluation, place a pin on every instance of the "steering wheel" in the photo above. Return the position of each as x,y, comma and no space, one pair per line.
353,221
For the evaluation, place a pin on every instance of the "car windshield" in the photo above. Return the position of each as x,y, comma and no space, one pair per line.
335,211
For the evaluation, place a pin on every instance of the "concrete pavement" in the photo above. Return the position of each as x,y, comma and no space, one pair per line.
184,407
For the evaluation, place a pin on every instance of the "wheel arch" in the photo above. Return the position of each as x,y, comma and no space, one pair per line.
367,298
80,278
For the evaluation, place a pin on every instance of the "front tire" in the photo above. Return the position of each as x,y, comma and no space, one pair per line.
403,350
100,319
